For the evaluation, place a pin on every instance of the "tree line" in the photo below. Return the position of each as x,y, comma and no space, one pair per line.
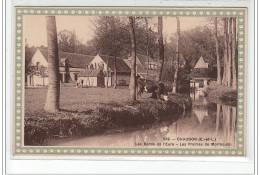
228,75
116,37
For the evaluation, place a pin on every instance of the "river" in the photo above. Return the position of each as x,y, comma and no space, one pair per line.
205,123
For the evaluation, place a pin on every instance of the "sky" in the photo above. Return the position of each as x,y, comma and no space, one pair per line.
35,27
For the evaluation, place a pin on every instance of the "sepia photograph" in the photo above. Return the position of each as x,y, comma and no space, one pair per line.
121,81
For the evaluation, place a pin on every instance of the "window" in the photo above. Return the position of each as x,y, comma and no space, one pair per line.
75,77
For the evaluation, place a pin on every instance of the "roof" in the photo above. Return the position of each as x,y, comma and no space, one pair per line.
143,59
140,68
75,60
121,66
91,73
194,60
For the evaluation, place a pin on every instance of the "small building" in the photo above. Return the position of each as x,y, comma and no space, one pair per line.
201,75
142,64
91,78
108,64
70,64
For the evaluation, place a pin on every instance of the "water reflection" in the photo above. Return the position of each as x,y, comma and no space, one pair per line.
214,122
208,120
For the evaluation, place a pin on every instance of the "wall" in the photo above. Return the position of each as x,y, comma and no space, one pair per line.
89,81
201,64
39,81
109,81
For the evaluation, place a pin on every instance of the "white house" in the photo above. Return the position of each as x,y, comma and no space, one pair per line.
70,64
200,75
108,63
91,78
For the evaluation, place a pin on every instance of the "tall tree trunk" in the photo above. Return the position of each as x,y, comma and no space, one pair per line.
218,118
229,52
115,74
107,74
217,52
147,48
115,54
234,63
133,61
225,57
161,53
175,78
53,94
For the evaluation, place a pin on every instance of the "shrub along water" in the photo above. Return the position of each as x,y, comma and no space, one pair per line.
40,127
221,94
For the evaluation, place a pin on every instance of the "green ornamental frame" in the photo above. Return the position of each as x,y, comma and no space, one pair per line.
19,85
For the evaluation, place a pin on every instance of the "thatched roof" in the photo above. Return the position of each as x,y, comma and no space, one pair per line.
75,60
91,73
121,66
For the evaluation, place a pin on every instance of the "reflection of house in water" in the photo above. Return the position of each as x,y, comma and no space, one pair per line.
200,114
198,97
201,74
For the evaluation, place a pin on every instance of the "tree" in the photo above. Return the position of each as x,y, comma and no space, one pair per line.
103,41
229,52
133,61
217,51
175,80
147,49
115,52
161,52
234,48
53,94
225,57
67,41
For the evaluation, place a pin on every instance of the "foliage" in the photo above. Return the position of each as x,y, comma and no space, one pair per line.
111,37
221,94
68,41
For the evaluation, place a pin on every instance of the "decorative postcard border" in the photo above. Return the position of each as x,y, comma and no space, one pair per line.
20,149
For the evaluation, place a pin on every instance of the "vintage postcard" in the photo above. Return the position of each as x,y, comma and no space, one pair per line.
129,81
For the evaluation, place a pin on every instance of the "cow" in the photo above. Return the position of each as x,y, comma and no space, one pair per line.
140,86
149,86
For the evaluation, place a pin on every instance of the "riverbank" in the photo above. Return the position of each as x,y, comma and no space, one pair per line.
86,112
221,95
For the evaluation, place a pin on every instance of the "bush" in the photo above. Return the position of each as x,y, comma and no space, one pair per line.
221,94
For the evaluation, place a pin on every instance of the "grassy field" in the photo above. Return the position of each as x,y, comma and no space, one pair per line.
90,111
77,99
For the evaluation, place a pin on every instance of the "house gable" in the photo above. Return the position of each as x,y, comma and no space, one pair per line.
38,59
121,66
201,63
98,61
